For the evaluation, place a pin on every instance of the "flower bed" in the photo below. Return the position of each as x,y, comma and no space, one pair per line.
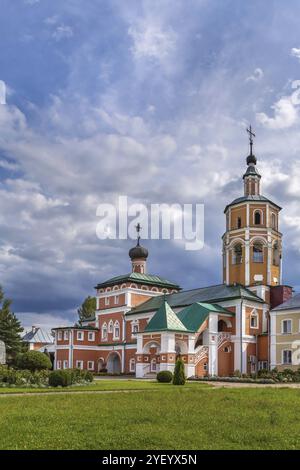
262,377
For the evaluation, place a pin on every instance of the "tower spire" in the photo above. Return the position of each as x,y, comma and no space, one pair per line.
251,135
138,254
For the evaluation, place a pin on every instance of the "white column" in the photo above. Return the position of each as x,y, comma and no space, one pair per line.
273,346
213,345
247,257
71,341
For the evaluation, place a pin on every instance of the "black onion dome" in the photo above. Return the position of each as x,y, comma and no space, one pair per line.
251,159
138,252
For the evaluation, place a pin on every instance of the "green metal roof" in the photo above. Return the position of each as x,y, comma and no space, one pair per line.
212,294
193,316
165,320
139,278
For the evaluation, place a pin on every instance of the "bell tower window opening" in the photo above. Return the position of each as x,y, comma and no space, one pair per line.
239,222
257,218
273,221
276,255
258,253
237,254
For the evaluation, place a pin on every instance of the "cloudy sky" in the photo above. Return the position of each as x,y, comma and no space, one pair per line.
148,99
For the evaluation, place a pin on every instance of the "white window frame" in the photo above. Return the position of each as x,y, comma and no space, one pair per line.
104,328
261,364
91,336
110,326
66,364
58,364
59,335
80,336
66,335
92,367
253,315
282,357
117,326
282,328
134,325
116,299
132,365
106,301
79,364
261,217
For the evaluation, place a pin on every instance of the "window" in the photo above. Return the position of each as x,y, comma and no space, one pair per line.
237,254
104,331
79,364
58,364
91,336
262,365
205,367
66,364
66,335
80,335
239,222
116,299
106,301
90,365
287,356
276,255
286,327
258,253
273,221
257,217
135,327
111,326
116,330
59,335
254,320
132,365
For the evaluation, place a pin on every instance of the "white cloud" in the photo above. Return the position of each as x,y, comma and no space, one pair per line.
295,52
151,41
285,111
62,32
2,92
256,76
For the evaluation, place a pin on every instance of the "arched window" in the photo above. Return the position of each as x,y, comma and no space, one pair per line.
257,217
237,254
222,325
132,365
116,330
258,253
254,320
111,326
104,331
273,221
135,327
276,254
239,222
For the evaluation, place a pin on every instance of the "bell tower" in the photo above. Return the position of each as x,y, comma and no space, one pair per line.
252,243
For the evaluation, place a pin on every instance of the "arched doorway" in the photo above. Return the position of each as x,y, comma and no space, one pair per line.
101,364
114,363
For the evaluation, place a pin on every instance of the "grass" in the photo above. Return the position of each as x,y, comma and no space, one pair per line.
190,417
105,385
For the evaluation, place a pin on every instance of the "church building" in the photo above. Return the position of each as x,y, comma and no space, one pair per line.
143,322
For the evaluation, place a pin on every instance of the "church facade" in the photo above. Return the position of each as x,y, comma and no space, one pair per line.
143,322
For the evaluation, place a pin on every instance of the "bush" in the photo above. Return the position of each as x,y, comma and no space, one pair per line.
33,360
164,376
60,378
23,378
179,376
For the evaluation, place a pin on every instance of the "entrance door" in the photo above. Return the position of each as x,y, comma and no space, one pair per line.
114,364
153,365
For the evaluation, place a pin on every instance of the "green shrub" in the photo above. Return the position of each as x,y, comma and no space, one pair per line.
164,376
33,360
179,376
60,378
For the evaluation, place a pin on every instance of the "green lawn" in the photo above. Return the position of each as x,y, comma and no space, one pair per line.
190,417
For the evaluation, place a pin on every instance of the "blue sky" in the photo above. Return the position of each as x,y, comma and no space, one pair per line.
148,99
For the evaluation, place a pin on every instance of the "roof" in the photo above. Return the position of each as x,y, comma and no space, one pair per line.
193,316
211,294
251,198
293,302
165,320
37,335
75,327
139,278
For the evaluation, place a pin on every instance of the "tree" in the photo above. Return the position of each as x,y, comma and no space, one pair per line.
10,328
87,309
179,376
33,360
